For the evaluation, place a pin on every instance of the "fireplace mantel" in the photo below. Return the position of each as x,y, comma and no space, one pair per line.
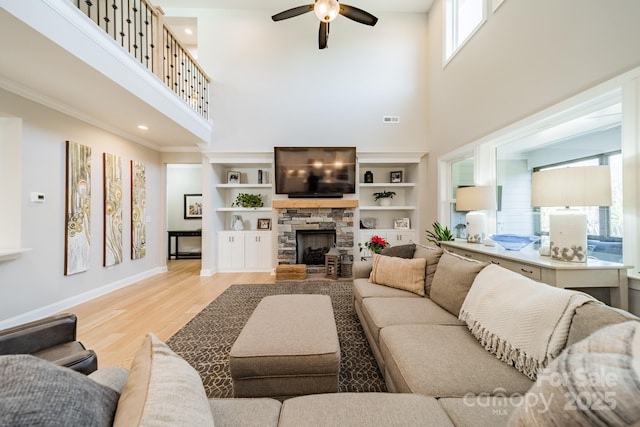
314,203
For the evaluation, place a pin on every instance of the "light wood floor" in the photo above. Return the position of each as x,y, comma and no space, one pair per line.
114,325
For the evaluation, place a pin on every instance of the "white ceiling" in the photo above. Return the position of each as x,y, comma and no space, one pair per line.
372,6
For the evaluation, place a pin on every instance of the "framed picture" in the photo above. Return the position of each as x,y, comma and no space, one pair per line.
401,223
233,177
192,206
264,223
396,176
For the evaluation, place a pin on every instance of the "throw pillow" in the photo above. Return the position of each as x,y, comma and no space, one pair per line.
432,255
162,390
399,273
401,251
595,381
35,392
452,281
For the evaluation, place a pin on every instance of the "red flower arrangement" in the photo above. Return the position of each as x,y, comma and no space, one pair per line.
375,245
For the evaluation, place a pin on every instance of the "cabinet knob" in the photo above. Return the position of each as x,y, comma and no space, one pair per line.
495,262
526,271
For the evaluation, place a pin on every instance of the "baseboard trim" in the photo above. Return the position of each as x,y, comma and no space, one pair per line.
59,306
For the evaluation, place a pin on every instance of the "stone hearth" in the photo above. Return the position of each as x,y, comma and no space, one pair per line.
290,220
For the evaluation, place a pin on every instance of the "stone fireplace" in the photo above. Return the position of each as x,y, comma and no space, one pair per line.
312,245
293,223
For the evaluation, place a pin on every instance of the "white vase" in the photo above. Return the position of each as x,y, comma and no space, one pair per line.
384,201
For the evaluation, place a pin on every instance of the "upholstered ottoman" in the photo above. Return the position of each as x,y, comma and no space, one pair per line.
289,347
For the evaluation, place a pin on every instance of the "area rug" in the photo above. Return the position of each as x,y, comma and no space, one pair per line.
205,342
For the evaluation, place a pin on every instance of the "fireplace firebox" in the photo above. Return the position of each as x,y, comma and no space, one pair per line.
312,245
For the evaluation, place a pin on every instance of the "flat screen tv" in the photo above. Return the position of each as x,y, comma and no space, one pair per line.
315,171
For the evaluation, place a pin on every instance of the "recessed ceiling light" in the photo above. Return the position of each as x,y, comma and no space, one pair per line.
188,31
143,127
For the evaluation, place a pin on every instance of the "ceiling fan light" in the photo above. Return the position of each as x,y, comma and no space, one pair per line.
326,10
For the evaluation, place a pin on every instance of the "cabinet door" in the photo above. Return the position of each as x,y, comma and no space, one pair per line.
257,250
396,237
230,251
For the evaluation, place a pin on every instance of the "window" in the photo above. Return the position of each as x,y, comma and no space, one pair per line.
462,174
461,19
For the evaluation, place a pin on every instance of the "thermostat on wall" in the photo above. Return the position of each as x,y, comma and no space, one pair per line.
37,197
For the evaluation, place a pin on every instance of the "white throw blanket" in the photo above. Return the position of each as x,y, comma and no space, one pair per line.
523,322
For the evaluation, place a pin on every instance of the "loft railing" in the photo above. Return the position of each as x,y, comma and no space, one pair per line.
139,28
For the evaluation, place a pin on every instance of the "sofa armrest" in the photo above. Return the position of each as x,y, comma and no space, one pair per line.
35,336
362,269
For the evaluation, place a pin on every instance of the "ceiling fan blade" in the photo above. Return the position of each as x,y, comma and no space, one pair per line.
357,15
290,13
323,35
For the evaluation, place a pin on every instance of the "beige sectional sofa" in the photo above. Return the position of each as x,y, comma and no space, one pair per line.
436,370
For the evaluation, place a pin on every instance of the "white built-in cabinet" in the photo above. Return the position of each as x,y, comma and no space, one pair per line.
253,250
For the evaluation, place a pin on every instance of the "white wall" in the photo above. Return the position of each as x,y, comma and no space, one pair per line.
273,86
36,280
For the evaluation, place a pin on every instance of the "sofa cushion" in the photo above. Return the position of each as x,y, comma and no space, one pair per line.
114,377
444,361
399,273
432,255
452,281
362,410
35,392
400,251
383,312
593,316
363,288
596,379
261,412
487,410
162,390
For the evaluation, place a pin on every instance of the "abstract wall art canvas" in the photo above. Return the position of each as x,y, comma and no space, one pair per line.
112,253
77,241
138,204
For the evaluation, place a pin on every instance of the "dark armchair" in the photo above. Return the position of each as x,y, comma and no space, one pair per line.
53,339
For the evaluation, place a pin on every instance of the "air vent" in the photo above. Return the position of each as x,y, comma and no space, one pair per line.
391,119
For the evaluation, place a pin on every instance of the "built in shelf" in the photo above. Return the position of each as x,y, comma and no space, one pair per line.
387,208
244,185
387,184
263,209
314,203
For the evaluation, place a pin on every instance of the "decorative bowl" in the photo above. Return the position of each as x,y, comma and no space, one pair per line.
513,242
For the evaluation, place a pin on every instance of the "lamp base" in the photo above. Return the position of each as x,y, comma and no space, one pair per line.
568,235
476,226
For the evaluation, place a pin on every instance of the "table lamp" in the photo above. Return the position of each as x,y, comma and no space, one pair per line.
474,200
570,186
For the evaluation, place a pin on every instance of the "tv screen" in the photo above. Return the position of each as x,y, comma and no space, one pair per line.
315,171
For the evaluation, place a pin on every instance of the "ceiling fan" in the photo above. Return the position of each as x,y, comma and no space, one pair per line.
327,11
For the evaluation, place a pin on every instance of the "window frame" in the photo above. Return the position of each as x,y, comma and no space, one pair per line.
450,32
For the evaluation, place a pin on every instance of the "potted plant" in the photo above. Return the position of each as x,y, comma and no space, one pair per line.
384,197
248,200
375,245
439,234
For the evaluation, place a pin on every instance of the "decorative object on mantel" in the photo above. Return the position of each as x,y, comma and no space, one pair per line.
384,197
476,199
376,244
570,186
327,11
368,177
439,234
248,200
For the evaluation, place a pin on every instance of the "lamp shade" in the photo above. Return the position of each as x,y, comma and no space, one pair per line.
571,186
478,198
